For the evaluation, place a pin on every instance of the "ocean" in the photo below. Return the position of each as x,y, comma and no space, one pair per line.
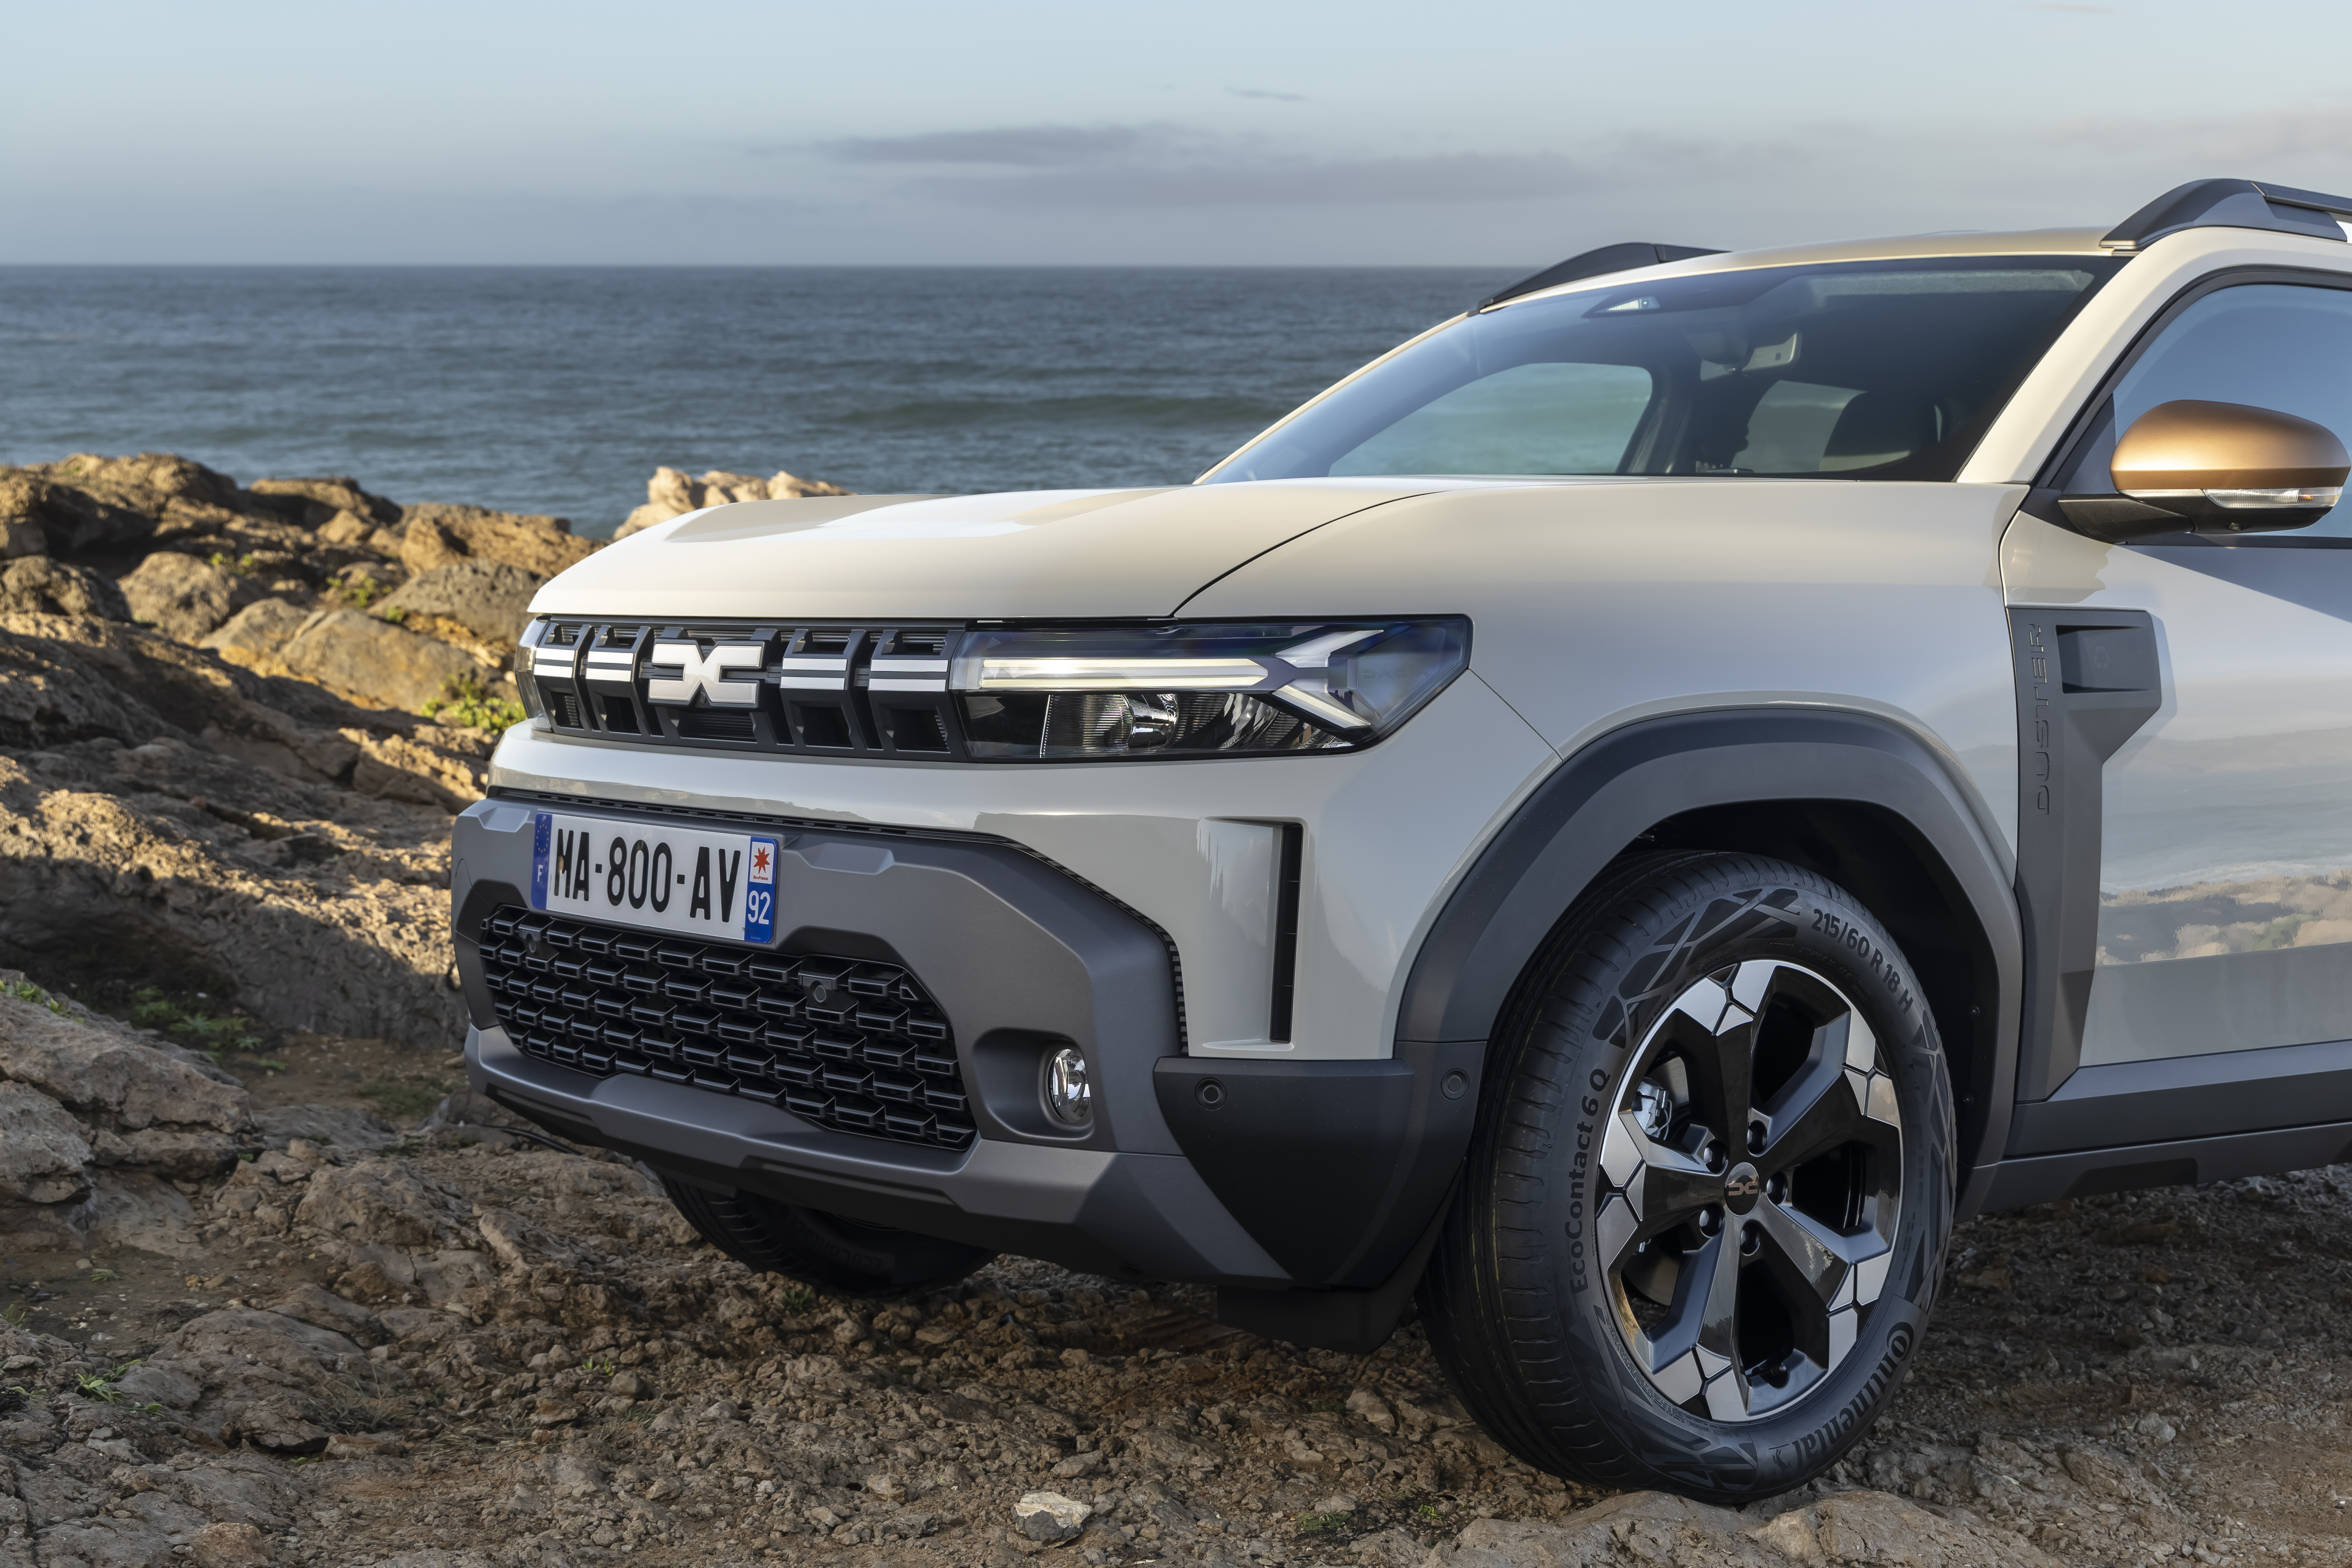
561,389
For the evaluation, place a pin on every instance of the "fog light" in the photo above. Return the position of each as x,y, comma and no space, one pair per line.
1069,1099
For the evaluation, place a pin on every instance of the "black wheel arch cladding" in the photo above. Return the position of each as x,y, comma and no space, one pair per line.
1849,795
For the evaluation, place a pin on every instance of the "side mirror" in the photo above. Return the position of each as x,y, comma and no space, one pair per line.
2215,467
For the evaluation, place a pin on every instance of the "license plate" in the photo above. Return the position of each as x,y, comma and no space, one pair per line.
655,876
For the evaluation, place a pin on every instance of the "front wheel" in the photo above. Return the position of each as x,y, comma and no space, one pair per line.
839,1255
1706,1204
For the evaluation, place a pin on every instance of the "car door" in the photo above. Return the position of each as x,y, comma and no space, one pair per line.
2224,817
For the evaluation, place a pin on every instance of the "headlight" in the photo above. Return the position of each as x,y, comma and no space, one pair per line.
1099,692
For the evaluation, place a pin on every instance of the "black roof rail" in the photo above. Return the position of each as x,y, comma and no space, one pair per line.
2233,203
1592,264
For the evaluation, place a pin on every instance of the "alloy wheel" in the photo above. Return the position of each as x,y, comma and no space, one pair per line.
1753,1161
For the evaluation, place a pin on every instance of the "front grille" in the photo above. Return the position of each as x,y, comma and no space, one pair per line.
816,690
852,1045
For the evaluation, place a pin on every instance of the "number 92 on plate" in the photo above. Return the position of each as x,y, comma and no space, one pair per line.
654,876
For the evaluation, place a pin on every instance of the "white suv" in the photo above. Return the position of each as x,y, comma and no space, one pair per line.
1627,817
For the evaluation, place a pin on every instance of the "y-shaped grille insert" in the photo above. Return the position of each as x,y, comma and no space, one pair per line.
854,1046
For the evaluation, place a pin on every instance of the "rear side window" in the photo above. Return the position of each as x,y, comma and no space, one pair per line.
2284,346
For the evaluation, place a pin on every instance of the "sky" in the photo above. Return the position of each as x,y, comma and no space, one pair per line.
1216,132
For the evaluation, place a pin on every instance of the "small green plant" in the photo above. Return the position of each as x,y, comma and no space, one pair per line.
99,1386
267,1064
15,1314
192,1024
464,699
602,1366
26,991
1427,1513
1327,1406
101,1276
798,1299
1316,1523
395,613
360,592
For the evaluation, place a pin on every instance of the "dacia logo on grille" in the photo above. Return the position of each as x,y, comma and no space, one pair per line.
698,671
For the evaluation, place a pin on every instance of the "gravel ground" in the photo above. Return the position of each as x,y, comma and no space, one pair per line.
464,1348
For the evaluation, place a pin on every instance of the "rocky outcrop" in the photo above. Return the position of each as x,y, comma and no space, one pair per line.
374,662
671,492
488,600
317,503
158,802
438,536
183,596
87,1103
37,585
252,636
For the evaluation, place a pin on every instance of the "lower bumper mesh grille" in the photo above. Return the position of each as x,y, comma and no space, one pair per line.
853,1045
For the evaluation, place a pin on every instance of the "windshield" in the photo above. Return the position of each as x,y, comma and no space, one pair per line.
1872,370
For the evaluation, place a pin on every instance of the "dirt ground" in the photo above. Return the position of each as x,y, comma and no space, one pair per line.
2115,1381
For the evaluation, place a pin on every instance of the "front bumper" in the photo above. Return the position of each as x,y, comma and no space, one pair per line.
1258,1175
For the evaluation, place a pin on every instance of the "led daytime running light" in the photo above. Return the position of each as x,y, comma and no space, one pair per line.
1067,674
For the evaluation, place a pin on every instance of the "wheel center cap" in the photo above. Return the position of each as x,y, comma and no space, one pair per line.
1741,1187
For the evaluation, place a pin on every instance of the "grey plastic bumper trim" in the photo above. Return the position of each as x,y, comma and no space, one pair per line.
1137,1215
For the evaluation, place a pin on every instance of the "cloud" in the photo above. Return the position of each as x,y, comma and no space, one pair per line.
1268,93
2321,132
1010,146
1171,166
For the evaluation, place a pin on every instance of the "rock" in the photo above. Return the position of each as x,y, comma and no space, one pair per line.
233,1338
228,1545
121,1082
346,527
315,502
89,503
1873,1527
490,599
435,535
375,662
378,1201
322,1310
21,538
1370,1407
37,585
1050,1517
158,1382
252,636
79,1097
1860,1527
44,1167
365,1446
1338,1503
672,493
181,596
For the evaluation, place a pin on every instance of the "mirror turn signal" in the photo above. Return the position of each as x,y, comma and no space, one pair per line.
2215,467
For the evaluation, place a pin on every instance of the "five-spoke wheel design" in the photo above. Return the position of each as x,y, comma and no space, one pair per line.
1753,1157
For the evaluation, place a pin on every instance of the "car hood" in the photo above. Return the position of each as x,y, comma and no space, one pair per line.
1130,553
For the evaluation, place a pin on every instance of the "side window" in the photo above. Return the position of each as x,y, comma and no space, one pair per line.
1547,417
2269,345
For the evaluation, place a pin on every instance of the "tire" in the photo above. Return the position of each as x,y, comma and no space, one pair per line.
839,1255
1585,1298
